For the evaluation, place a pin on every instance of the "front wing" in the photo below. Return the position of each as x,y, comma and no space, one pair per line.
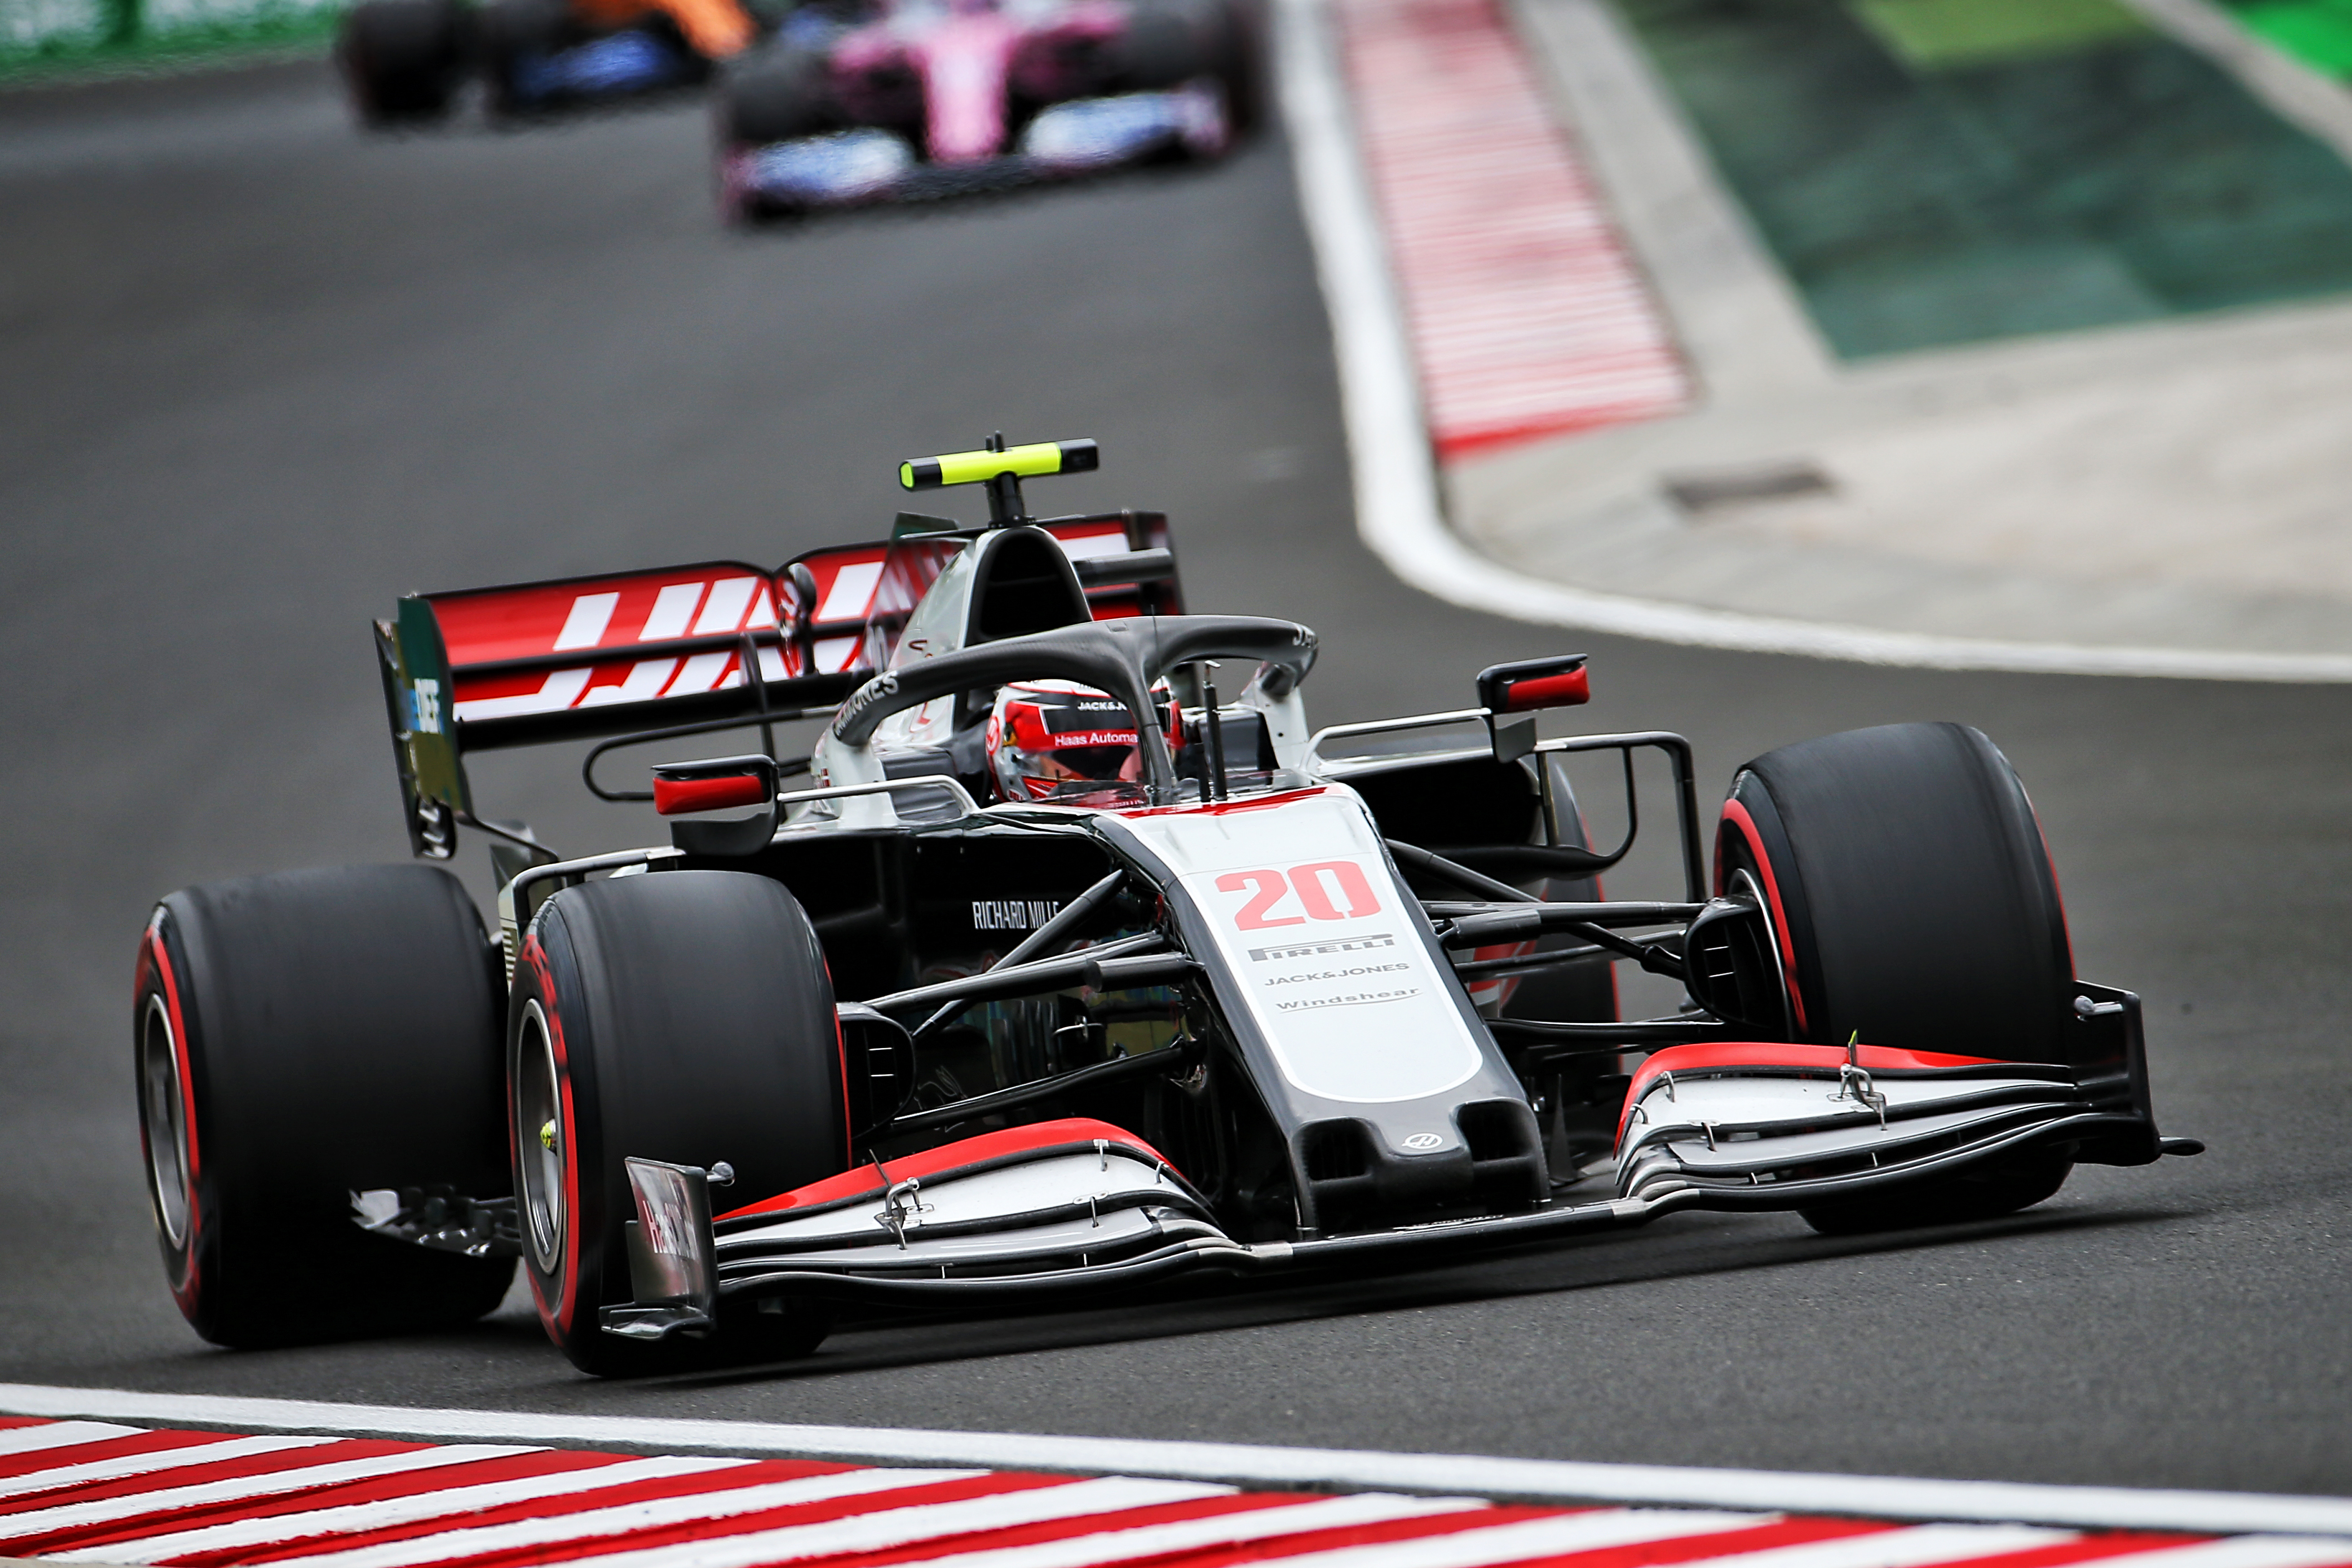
1083,1207
849,168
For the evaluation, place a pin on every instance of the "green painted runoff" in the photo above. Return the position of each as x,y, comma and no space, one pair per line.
1936,172
2316,32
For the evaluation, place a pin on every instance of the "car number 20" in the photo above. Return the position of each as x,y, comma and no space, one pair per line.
1324,890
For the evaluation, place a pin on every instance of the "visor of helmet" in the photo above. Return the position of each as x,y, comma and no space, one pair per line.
1055,739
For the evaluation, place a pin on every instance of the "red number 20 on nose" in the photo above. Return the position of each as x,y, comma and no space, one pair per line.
1327,890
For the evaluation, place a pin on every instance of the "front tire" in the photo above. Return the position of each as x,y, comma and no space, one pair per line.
1914,906
517,38
679,1015
1171,42
403,59
297,1038
773,93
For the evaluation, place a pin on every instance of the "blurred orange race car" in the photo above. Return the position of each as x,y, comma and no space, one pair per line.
405,61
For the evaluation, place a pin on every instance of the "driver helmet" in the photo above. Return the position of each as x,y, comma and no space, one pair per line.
1055,740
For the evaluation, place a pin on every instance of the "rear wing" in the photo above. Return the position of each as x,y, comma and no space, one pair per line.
703,647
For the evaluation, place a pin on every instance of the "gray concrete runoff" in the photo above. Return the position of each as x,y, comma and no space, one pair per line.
2185,484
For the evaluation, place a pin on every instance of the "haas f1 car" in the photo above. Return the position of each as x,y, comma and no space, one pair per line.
1070,959
913,98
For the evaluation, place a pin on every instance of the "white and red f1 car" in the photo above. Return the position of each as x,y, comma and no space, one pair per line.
875,1028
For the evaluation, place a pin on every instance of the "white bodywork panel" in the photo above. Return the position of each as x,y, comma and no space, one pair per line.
937,627
1131,1199
1116,1230
1728,1122
1298,893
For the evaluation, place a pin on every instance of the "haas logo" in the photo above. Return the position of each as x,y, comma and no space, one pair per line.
425,698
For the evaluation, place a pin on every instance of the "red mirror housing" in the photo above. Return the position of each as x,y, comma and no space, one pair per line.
683,788
1560,682
675,797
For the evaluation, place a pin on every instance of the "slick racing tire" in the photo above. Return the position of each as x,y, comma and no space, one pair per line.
1163,46
1171,42
678,1015
2017,1183
299,1038
1916,908
1242,62
515,36
402,60
774,93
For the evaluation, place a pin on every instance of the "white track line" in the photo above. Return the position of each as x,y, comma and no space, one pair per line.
64,1435
627,1519
272,1483
150,1463
1217,1529
1400,516
1330,1469
352,1519
906,1526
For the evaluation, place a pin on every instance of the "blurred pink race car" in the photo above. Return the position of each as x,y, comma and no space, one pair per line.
923,98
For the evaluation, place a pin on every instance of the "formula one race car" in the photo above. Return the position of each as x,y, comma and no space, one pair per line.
926,97
404,61
1070,959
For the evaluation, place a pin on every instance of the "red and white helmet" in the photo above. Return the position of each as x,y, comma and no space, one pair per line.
1055,740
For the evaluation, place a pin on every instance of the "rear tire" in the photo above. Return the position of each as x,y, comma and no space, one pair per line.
402,60
679,1015
1906,875
299,1038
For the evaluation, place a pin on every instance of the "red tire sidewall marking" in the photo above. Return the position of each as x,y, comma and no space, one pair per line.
1499,992
155,967
2065,932
841,1054
1736,815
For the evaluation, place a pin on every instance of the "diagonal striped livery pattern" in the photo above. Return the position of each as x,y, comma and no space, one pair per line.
624,627
101,1493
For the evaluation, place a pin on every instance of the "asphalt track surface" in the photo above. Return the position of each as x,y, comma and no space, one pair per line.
258,373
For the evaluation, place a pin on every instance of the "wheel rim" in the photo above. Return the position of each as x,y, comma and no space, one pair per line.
1744,886
539,1140
163,1120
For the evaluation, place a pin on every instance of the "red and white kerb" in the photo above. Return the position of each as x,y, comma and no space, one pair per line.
1526,315
97,1493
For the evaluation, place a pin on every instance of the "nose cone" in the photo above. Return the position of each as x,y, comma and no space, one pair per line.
964,65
